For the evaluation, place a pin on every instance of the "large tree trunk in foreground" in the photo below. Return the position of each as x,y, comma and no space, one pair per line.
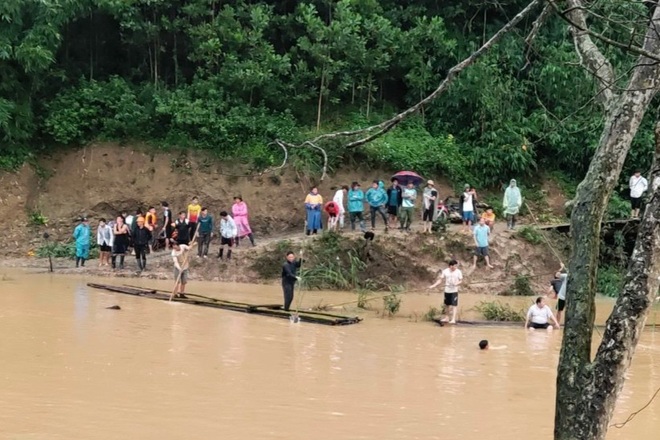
586,390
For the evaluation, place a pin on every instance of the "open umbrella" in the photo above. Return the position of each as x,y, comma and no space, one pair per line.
408,176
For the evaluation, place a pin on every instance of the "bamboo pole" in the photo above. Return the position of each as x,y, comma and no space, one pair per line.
186,258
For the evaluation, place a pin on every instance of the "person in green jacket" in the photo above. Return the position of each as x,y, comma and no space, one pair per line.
356,206
377,199
82,236
205,232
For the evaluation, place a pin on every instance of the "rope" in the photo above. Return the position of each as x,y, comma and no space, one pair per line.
633,415
543,235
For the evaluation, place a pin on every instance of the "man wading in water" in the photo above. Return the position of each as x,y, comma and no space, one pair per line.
453,278
289,277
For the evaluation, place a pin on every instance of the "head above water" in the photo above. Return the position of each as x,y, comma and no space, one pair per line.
290,256
483,344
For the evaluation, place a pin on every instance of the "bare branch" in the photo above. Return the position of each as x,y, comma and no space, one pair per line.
590,56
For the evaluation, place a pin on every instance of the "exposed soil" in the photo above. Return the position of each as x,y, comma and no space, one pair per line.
103,179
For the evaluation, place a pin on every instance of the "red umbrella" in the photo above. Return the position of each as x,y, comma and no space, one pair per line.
408,176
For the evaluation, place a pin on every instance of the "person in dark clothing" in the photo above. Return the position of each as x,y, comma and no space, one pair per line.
289,277
181,230
168,229
141,239
394,201
205,233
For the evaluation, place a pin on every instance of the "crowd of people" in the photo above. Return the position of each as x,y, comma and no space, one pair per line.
142,233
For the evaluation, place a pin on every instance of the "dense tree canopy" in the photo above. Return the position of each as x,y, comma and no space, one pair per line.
230,76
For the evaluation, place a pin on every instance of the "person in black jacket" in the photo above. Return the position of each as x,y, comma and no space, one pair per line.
141,239
394,201
289,277
181,229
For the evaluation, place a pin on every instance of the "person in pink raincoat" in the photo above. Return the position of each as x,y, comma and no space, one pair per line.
240,213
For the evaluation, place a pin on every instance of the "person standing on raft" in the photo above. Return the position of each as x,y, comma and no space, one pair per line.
289,277
240,212
82,236
180,257
313,204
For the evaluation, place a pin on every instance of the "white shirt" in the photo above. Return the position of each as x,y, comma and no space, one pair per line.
467,202
539,315
228,227
638,185
179,257
452,277
562,290
339,200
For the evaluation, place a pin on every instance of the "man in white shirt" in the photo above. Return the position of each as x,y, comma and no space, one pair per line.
181,259
638,186
453,278
540,314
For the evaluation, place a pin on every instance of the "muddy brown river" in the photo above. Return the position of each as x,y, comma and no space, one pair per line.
70,369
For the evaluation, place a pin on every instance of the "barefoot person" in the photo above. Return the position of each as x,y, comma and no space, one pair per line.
82,235
558,287
180,257
481,239
453,278
289,277
539,315
120,242
104,241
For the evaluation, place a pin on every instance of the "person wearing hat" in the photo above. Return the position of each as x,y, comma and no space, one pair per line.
430,196
512,203
82,235
141,239
356,206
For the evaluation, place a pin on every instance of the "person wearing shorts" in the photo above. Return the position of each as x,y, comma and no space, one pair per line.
181,258
638,186
452,277
429,197
228,233
539,316
559,288
104,240
481,234
468,199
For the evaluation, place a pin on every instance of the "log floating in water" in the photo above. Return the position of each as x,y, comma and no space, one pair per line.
274,310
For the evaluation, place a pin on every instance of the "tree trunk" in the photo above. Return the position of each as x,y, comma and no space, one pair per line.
586,391
320,103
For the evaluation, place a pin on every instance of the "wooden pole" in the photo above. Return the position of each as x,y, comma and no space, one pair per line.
185,261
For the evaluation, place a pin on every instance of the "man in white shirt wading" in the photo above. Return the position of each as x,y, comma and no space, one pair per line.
540,315
453,278
638,186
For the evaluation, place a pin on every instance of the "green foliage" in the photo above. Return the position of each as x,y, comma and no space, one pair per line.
520,287
36,218
609,281
498,311
432,314
530,234
63,250
392,304
617,208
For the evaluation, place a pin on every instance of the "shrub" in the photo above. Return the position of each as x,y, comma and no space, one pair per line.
531,235
392,304
520,287
63,250
497,311
36,218
609,281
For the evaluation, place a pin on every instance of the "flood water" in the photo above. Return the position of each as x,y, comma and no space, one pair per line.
70,369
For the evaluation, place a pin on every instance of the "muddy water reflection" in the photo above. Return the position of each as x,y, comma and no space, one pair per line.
73,370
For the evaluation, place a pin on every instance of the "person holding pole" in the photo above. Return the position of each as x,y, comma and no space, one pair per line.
289,277
181,257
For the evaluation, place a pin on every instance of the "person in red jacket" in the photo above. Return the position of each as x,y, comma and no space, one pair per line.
332,209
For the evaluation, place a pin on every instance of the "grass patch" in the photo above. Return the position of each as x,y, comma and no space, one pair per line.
530,235
497,311
63,250
432,314
36,218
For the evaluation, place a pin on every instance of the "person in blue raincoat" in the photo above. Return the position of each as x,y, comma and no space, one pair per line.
82,235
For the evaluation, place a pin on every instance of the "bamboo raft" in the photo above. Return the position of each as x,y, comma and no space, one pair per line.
273,310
